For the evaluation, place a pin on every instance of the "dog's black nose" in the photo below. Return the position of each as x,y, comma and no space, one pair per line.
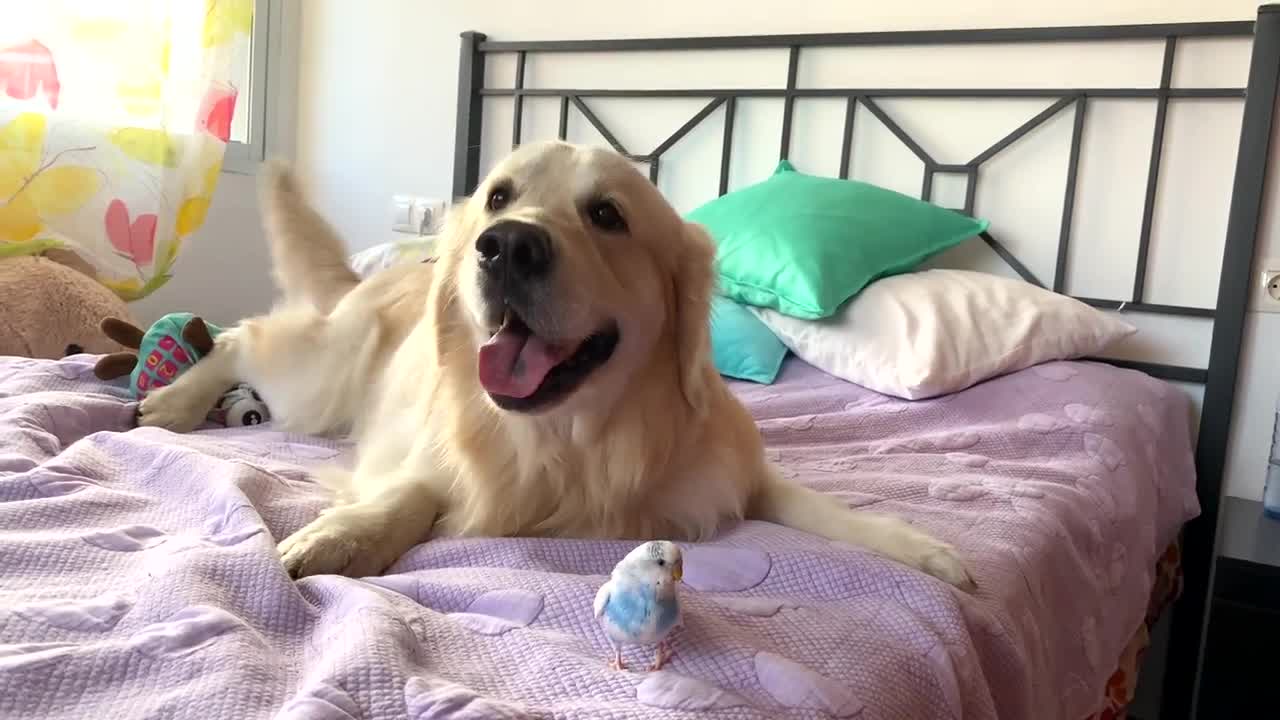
518,250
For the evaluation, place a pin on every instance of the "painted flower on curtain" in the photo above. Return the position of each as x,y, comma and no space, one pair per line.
114,121
28,69
37,188
134,238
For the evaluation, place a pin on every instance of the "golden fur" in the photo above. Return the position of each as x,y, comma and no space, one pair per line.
651,445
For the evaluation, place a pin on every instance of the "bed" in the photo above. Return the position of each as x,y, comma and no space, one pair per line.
138,576
141,577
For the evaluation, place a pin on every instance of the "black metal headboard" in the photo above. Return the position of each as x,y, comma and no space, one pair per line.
1228,315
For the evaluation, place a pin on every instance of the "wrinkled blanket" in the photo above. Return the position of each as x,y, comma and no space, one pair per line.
139,579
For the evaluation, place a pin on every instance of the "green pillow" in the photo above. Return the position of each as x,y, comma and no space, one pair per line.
742,346
803,244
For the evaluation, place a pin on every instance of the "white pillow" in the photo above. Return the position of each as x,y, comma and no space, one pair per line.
384,255
930,333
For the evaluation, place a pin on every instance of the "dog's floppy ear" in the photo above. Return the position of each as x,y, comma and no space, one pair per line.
694,281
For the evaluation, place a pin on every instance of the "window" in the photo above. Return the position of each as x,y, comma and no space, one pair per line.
143,64
254,69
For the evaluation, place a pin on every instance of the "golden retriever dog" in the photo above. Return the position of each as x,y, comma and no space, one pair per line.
550,374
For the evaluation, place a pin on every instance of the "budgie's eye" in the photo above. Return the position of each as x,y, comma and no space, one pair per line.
661,561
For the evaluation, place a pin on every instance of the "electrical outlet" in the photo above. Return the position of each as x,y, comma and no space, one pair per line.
416,215
428,215
1269,286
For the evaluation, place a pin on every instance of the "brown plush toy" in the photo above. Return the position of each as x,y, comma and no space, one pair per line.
51,306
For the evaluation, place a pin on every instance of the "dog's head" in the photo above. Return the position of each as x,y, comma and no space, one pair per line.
573,275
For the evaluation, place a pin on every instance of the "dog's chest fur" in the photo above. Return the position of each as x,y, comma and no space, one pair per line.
640,482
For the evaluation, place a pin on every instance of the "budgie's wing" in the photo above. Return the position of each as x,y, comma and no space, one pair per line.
602,599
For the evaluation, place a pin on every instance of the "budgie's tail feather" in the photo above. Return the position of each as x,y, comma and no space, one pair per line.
807,510
309,260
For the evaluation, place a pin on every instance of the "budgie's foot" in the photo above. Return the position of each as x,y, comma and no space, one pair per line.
616,663
661,657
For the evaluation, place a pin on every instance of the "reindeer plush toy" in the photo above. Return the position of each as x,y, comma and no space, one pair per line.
171,346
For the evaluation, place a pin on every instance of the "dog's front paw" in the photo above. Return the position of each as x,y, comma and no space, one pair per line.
339,542
943,562
174,408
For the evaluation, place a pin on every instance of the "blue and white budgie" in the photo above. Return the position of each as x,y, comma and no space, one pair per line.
639,604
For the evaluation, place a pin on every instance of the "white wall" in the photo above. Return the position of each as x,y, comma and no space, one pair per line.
377,95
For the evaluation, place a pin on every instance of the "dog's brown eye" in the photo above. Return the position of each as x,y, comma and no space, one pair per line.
605,216
498,199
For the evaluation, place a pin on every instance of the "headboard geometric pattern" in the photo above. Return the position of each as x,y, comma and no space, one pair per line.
1218,376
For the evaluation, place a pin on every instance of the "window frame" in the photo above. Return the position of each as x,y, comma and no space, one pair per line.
265,99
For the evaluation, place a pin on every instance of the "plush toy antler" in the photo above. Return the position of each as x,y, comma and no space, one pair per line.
119,364
123,332
196,333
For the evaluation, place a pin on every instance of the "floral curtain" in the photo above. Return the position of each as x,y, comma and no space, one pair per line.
114,120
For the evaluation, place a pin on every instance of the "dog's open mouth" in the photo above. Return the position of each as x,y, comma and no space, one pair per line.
523,372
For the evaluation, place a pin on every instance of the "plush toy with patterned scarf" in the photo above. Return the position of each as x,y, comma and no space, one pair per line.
170,347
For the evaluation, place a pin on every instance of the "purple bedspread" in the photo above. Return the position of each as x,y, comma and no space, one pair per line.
138,575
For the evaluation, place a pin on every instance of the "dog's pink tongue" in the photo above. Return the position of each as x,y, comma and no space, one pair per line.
514,363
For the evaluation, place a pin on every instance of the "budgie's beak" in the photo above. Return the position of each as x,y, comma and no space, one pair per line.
677,572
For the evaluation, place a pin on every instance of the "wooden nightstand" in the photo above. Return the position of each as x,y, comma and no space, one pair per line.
1239,677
